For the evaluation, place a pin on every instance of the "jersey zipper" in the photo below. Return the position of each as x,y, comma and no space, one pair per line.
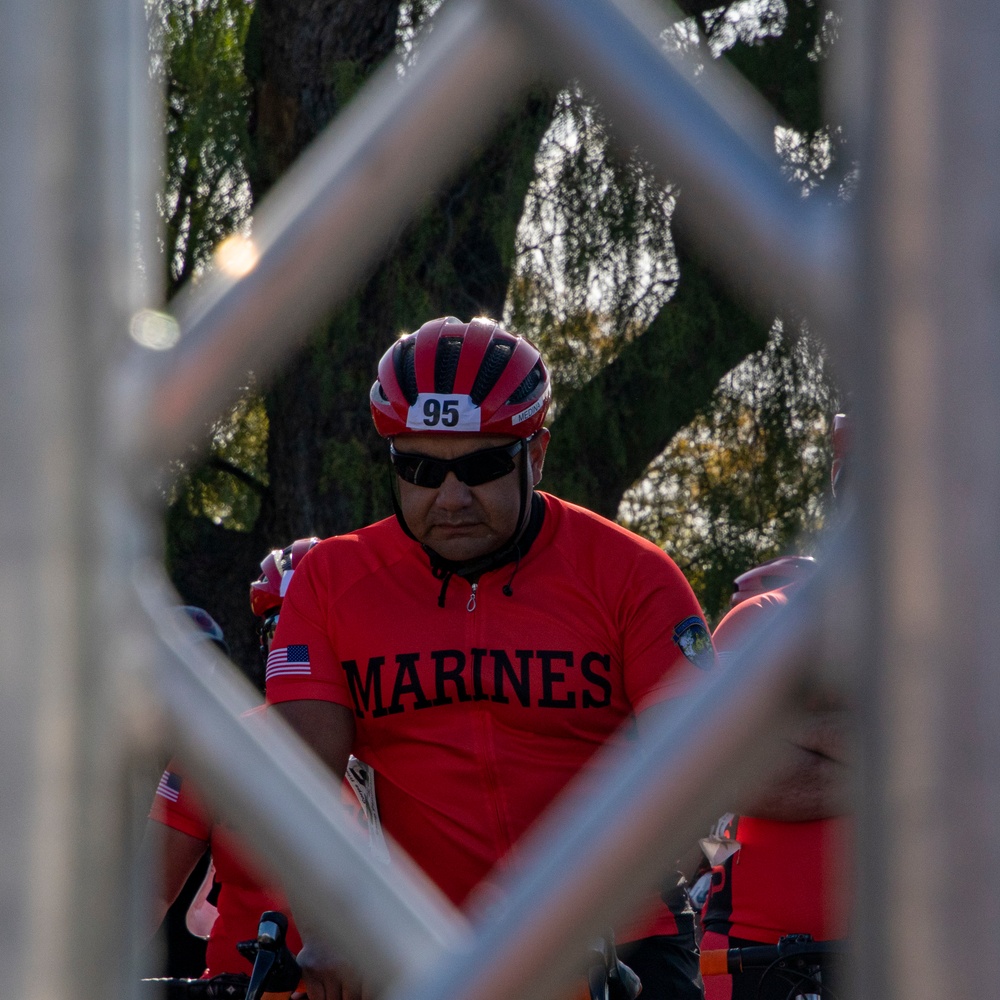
470,605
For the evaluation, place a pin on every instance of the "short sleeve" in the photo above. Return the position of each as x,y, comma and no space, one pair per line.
667,645
176,804
752,613
302,664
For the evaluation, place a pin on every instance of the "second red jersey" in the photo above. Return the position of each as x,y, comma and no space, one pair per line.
243,895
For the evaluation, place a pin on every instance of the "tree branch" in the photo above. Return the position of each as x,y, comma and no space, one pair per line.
222,465
606,433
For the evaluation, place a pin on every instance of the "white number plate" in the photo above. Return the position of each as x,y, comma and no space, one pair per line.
435,412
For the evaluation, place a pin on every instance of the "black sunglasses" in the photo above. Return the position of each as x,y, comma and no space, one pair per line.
474,469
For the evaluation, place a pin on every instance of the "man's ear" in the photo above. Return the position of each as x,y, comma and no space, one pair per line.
537,447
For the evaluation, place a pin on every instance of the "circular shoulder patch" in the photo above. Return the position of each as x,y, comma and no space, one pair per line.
693,640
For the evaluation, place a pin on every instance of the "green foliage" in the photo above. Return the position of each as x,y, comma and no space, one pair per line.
345,78
608,431
205,192
595,258
205,198
226,487
347,469
747,480
634,336
777,45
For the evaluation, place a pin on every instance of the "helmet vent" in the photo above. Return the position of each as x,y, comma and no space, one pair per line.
449,350
404,362
527,386
494,362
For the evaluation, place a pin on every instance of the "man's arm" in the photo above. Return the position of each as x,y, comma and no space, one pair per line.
327,728
814,778
689,862
177,854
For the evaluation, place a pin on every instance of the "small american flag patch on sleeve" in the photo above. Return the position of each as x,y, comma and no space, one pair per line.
169,786
288,660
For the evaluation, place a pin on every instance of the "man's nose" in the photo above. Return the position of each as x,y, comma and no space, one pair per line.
453,493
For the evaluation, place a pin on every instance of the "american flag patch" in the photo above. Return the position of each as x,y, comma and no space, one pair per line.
169,786
287,660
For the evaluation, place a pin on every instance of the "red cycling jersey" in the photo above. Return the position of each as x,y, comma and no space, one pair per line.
786,878
475,713
242,895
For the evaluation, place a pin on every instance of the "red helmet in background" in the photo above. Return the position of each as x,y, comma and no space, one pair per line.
268,590
456,377
771,575
841,443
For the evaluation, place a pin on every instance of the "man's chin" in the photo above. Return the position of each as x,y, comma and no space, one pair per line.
457,547
461,553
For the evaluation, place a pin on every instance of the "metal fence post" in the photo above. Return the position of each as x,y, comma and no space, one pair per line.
926,374
66,243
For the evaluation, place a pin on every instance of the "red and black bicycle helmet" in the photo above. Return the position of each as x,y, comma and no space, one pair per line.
771,575
268,590
454,377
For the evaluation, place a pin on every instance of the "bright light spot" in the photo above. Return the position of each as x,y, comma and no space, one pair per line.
156,330
237,255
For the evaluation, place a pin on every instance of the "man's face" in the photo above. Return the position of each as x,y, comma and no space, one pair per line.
458,521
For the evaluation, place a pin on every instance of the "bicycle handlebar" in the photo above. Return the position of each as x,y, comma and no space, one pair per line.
608,977
223,987
733,961
275,972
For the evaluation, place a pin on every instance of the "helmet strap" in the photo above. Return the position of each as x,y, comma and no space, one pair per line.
531,512
396,508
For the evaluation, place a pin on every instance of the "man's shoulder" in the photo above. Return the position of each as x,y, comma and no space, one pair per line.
377,533
607,554
347,557
748,614
571,518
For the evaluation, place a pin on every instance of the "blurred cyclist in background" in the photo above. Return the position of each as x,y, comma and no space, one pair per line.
227,907
780,867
